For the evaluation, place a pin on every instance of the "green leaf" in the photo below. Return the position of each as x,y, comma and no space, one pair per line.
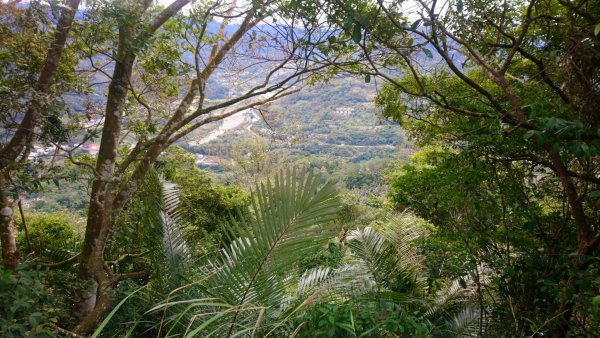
112,313
356,34
427,52
363,19
585,149
597,29
368,78
459,6
415,24
529,134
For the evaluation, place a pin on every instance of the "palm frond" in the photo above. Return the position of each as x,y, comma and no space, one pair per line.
390,257
456,311
159,228
382,260
177,254
464,323
313,278
346,281
460,290
401,231
287,225
289,219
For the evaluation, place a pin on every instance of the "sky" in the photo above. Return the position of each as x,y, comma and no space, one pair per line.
409,5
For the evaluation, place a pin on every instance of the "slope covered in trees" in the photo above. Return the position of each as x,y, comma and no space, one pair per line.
313,168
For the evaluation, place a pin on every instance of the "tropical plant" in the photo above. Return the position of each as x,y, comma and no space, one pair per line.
245,287
152,230
385,273
253,287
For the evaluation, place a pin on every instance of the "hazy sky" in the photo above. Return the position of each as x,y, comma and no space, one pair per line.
409,5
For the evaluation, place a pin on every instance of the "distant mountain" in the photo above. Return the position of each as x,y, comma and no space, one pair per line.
336,121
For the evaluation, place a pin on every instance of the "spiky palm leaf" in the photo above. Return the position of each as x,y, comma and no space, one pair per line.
379,256
382,264
455,311
401,232
464,323
383,259
177,255
329,284
389,253
249,280
160,229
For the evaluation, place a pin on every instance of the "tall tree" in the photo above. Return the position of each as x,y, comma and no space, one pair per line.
520,70
38,95
261,60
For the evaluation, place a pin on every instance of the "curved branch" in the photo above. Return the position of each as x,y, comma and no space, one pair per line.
61,264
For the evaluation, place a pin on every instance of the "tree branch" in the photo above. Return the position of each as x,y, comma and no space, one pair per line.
130,275
166,14
61,264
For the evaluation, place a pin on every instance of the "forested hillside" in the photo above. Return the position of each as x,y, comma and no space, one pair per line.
286,168
334,125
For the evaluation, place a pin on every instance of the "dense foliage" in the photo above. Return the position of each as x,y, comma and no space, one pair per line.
287,168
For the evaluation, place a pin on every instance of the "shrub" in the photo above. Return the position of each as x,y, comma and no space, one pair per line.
24,309
360,318
51,235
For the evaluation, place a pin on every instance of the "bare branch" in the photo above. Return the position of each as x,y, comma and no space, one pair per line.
61,264
130,275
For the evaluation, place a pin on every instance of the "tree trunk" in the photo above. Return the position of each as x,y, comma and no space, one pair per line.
10,258
23,135
566,309
92,301
565,312
19,140
7,235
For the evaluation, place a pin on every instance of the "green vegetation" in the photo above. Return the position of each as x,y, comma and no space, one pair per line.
27,306
315,168
51,237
